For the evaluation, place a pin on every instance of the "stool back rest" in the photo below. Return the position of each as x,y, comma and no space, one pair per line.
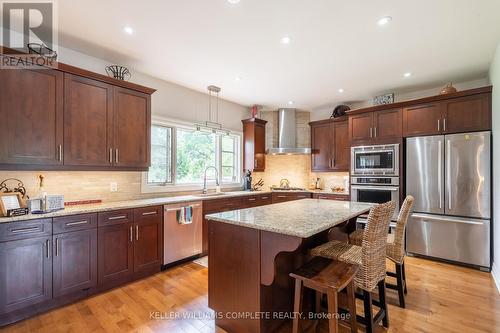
399,235
374,244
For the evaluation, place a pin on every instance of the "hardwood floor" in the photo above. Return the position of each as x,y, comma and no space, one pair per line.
441,298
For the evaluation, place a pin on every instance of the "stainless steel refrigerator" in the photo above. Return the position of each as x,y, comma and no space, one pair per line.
450,178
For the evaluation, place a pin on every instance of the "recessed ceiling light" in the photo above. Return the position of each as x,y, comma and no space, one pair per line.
233,2
285,40
341,90
291,102
128,30
407,74
384,20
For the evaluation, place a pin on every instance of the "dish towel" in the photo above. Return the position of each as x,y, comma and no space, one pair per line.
185,215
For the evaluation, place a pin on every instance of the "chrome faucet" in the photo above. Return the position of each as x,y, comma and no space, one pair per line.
205,190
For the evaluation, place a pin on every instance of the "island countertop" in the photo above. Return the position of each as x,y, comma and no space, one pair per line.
302,218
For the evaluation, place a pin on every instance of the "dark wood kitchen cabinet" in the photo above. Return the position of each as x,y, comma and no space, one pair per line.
129,242
330,145
148,239
375,127
31,112
131,128
88,119
289,196
26,261
74,245
116,246
254,144
72,119
465,113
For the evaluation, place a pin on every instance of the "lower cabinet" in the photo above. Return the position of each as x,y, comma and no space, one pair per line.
130,243
115,243
74,261
26,273
331,196
50,262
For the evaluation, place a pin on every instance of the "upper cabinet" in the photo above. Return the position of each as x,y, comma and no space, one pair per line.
254,144
31,111
88,116
454,115
375,127
131,128
72,119
330,145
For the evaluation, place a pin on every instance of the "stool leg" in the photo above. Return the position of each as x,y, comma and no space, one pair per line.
297,305
367,303
332,310
383,303
399,278
404,277
351,300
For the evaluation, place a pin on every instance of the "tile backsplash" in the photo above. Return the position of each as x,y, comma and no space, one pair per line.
297,169
83,185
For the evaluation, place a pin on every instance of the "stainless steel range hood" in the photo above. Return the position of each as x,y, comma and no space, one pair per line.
287,135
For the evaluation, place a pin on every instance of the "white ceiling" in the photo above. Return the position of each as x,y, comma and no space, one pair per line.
334,44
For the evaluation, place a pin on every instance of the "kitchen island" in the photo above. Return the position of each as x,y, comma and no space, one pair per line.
252,251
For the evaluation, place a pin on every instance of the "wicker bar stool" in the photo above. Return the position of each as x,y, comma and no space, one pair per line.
370,257
395,249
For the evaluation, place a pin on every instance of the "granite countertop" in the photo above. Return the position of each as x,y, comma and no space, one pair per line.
106,206
302,218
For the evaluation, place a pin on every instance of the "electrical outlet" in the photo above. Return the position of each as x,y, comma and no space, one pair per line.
113,186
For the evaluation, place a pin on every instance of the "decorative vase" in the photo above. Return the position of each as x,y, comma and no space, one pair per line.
448,89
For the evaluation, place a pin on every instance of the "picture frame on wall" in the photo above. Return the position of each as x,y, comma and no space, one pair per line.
10,201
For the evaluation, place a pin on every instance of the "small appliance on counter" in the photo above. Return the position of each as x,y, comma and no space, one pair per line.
47,204
247,181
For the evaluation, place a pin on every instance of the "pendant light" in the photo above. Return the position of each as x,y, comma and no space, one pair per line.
212,123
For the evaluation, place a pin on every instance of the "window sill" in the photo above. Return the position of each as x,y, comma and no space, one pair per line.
170,188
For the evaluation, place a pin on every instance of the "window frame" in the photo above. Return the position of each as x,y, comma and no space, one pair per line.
173,186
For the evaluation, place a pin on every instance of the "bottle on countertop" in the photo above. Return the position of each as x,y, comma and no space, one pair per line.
317,184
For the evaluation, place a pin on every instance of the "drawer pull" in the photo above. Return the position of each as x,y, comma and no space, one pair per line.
149,213
281,196
176,209
265,198
24,230
69,224
121,217
251,199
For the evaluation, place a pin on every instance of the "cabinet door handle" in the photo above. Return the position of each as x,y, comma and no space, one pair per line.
47,245
24,230
60,152
333,162
281,196
116,155
57,247
444,124
136,232
265,198
439,125
256,162
121,217
69,224
375,131
251,199
131,231
110,155
149,213
371,132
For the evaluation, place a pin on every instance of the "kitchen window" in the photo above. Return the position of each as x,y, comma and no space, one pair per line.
180,155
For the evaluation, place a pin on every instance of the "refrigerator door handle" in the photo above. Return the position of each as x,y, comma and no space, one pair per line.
448,219
448,172
440,173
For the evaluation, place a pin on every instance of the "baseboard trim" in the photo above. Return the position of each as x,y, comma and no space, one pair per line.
495,273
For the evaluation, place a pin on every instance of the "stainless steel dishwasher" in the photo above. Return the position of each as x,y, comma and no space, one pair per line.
181,241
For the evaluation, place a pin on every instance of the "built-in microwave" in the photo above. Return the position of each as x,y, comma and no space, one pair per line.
375,160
